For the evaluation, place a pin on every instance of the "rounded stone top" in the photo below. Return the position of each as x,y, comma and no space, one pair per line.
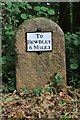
44,24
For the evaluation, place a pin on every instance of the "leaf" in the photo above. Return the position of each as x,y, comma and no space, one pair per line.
0,60
23,16
44,9
25,90
62,95
4,61
62,101
22,5
11,33
22,94
73,60
51,12
16,20
74,36
9,4
37,8
65,117
17,10
1,17
40,12
29,6
76,42
2,3
9,99
0,109
11,88
76,114
37,91
74,66
68,37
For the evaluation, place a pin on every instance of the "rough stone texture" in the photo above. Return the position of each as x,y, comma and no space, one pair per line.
34,70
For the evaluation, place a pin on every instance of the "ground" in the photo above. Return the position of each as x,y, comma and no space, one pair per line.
44,102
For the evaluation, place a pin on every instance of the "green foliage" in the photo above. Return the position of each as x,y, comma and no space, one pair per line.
47,89
73,58
44,9
23,16
37,91
29,6
57,80
37,8
51,12
4,60
8,87
7,99
62,101
24,91
65,117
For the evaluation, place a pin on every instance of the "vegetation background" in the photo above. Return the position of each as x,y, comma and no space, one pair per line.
66,15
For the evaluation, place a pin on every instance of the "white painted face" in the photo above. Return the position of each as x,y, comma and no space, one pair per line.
39,41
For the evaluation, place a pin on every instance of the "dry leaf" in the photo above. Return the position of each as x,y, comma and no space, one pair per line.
30,92
76,114
67,97
22,94
62,94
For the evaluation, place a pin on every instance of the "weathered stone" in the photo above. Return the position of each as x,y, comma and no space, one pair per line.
34,70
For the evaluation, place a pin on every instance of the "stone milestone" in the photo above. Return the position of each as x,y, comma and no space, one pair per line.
34,69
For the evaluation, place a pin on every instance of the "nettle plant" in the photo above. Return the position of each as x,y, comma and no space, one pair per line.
73,58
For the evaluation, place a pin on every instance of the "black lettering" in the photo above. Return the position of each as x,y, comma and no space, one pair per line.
36,47
35,41
40,41
29,42
37,35
30,47
41,36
